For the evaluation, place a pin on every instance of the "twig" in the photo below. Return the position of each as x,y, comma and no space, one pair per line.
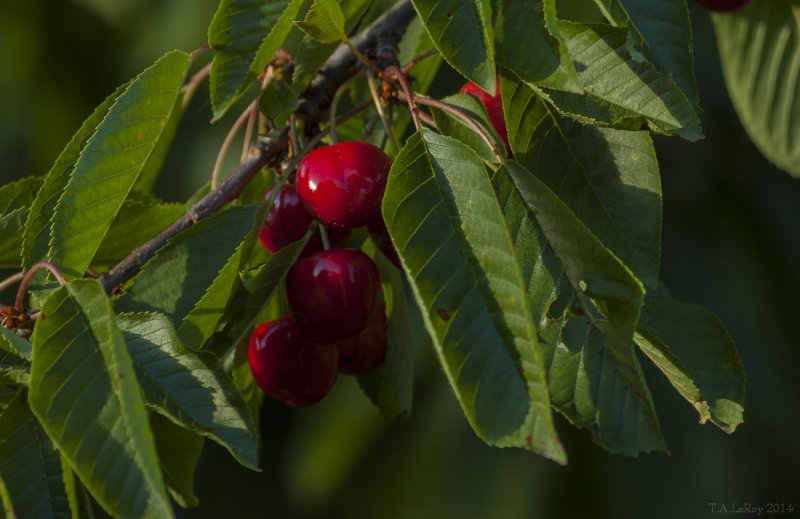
427,119
194,83
464,116
397,74
199,51
23,286
11,280
382,113
226,144
416,61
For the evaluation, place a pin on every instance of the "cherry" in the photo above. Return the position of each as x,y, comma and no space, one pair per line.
363,352
287,221
723,5
380,235
287,366
493,105
333,293
342,185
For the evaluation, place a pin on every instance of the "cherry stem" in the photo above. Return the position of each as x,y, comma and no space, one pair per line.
226,144
334,103
194,83
464,116
199,51
427,119
359,56
248,133
11,280
23,286
387,125
396,73
323,232
416,61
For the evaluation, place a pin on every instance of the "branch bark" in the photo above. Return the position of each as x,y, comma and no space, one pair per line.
386,31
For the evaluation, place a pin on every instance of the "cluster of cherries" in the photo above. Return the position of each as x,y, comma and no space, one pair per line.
338,321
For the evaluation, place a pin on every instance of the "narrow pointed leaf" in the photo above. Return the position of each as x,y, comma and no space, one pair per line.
664,28
124,145
449,231
188,387
609,178
245,35
13,343
759,47
324,21
595,378
15,199
526,48
30,466
85,394
691,347
620,91
178,277
79,502
462,31
36,240
179,452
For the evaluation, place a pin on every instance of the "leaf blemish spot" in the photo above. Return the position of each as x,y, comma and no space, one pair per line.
443,315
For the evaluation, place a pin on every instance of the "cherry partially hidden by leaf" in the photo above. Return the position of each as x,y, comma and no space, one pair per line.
333,293
380,235
493,105
289,367
288,220
723,5
365,351
342,185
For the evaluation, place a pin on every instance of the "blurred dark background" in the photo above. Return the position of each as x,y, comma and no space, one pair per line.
731,244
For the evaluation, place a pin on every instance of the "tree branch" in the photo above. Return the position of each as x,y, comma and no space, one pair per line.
386,31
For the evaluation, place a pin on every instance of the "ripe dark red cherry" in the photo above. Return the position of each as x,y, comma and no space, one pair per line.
365,351
380,235
287,221
723,5
493,105
342,185
287,366
333,293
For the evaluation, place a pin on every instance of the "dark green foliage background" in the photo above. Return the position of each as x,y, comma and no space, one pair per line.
730,228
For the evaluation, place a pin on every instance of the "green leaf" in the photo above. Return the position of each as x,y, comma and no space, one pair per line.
245,35
125,144
30,467
278,101
462,32
15,356
15,199
324,21
620,91
452,126
664,28
13,343
586,303
137,222
179,451
759,47
450,233
691,347
183,272
79,501
609,178
36,240
84,393
526,48
391,386
188,387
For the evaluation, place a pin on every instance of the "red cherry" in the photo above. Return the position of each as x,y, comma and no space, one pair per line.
333,293
342,185
289,367
723,5
380,235
287,221
493,105
365,351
